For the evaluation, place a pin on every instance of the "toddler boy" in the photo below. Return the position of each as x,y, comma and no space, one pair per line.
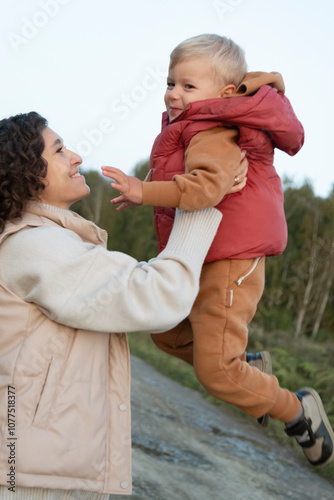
214,107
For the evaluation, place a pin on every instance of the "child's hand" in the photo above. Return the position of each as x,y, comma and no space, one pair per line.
131,188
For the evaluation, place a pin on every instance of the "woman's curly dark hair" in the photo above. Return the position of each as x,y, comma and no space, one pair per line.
22,167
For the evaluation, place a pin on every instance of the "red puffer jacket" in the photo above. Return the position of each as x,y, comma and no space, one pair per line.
253,221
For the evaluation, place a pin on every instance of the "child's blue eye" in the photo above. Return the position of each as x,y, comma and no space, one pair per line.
189,86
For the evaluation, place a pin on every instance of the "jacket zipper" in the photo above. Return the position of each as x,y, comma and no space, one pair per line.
240,280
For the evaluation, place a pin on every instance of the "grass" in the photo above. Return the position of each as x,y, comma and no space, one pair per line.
296,363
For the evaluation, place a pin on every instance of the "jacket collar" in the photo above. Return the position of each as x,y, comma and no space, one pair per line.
40,214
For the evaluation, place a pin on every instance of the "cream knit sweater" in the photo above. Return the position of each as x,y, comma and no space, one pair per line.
83,285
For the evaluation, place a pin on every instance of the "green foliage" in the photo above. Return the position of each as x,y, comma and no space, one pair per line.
131,230
298,362
299,292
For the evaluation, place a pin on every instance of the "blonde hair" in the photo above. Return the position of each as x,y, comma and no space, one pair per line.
228,59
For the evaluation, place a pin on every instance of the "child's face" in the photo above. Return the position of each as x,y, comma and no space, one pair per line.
188,81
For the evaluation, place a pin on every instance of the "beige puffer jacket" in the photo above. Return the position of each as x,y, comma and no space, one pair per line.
69,384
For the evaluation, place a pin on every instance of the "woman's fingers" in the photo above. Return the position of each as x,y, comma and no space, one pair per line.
240,179
238,186
243,168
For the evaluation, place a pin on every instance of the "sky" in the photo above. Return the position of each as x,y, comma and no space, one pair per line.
97,70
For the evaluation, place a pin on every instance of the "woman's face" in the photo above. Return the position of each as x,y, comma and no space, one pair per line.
63,183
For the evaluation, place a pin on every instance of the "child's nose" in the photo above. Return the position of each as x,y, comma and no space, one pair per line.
174,94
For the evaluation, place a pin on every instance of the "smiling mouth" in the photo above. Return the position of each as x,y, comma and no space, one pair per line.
77,174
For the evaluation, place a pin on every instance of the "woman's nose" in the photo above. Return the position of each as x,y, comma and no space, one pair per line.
75,158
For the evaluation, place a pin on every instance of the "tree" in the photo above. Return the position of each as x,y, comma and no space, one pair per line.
299,283
327,282
311,268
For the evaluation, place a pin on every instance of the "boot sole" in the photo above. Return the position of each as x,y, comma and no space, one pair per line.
325,420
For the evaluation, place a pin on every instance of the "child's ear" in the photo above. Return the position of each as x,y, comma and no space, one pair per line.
227,91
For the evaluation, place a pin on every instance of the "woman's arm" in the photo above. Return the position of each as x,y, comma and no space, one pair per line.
86,286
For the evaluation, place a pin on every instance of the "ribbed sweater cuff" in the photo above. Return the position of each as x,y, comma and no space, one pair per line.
46,494
192,235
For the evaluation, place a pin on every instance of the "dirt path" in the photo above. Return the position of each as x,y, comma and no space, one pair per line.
187,449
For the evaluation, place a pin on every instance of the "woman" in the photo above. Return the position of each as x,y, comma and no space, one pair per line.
64,302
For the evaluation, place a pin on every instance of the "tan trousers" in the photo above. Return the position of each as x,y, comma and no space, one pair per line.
43,494
214,340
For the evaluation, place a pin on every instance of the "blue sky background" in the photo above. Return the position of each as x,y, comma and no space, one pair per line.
97,69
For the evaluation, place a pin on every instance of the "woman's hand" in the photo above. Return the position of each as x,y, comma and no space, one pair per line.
131,188
240,179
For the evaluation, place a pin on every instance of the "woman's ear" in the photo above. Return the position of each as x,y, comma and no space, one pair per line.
227,91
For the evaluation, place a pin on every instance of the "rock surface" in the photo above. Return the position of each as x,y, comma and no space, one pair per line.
184,448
